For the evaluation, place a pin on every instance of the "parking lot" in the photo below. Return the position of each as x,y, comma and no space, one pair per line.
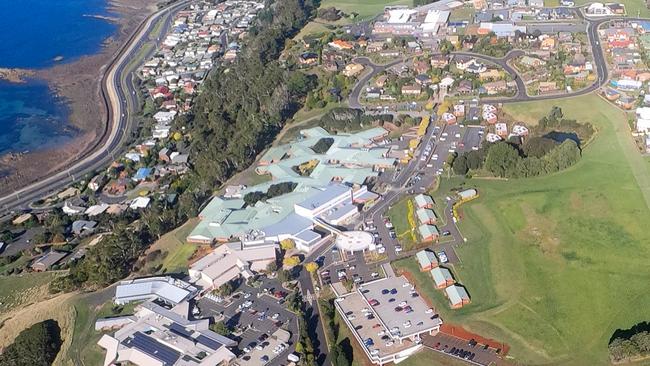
353,268
460,348
256,314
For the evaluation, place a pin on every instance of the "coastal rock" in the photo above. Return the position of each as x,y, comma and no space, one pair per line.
15,75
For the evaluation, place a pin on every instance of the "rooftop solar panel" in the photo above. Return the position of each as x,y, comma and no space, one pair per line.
180,330
153,348
208,342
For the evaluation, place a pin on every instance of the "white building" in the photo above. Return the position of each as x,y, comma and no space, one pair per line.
643,119
155,336
229,261
166,289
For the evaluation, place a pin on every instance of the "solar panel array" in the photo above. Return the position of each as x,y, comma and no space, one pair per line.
180,330
209,342
153,348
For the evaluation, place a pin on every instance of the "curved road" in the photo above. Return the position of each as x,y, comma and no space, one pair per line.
521,96
117,121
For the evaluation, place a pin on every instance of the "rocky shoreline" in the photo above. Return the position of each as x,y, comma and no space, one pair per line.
78,83
15,75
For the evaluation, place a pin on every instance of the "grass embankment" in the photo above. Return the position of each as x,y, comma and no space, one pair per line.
175,250
555,264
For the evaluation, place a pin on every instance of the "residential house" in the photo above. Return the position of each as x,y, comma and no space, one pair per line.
547,87
352,69
47,260
533,62
490,74
411,90
495,87
448,118
439,61
421,67
465,87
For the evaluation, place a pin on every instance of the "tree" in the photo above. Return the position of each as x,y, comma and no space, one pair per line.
444,107
538,146
287,244
272,267
460,165
34,346
221,328
502,159
226,289
311,267
291,261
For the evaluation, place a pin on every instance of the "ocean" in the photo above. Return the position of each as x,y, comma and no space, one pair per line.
37,32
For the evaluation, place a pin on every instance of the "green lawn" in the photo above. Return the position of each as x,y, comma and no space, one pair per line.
176,252
398,215
555,264
18,290
365,8
633,8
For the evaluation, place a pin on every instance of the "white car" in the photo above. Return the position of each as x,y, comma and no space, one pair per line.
443,139
407,324
351,317
374,274
275,316
381,333
457,135
429,311
247,295
389,343
403,303
443,257
381,250
398,248
445,134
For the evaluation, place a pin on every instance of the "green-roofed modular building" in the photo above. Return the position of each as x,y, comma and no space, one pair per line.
442,277
329,191
423,201
426,216
457,296
427,260
428,232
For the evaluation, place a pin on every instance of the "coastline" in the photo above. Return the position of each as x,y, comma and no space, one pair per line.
77,83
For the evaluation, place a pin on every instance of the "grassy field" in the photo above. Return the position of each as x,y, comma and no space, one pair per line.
555,264
365,8
176,251
16,291
633,8
398,215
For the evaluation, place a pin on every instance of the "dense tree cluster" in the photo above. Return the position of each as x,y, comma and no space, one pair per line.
349,119
323,145
631,344
331,14
274,190
244,105
553,152
37,345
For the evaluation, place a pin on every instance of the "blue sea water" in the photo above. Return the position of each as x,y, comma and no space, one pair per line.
34,33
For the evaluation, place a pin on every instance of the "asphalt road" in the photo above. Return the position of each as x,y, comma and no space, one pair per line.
115,92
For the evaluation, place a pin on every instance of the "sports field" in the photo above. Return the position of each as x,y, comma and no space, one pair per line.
555,264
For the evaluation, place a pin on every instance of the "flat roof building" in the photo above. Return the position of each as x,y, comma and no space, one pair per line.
166,289
230,261
368,311
160,337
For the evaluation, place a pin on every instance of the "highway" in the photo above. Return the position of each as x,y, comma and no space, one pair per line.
119,99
